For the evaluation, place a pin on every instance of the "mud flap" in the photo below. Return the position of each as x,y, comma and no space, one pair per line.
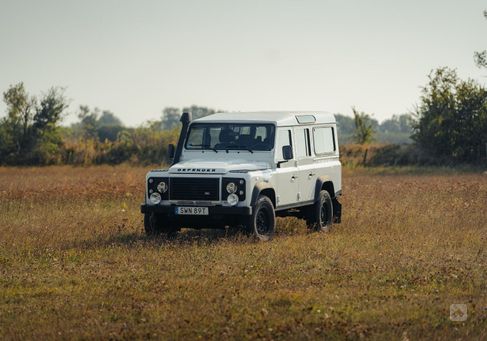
337,211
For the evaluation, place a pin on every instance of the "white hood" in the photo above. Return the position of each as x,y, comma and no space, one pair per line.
216,167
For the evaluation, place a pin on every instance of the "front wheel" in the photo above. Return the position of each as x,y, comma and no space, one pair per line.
262,222
320,217
155,224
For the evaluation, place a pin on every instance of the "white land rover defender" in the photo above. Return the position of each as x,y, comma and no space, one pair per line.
243,169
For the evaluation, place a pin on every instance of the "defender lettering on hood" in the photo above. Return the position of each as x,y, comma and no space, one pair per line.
198,166
196,170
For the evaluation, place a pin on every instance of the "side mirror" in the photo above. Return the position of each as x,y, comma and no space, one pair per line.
171,150
287,153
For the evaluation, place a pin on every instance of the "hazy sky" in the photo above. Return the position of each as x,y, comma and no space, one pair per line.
136,57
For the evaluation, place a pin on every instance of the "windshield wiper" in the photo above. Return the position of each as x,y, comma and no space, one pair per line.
239,148
203,146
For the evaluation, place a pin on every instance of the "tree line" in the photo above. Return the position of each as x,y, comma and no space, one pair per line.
449,125
363,128
31,132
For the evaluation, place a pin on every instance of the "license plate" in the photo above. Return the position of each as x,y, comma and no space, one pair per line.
191,210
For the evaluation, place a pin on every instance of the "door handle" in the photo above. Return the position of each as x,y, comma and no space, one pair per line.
311,174
293,178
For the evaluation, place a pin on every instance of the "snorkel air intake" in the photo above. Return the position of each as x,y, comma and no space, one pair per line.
185,120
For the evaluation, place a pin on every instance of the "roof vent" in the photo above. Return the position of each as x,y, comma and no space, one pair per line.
305,119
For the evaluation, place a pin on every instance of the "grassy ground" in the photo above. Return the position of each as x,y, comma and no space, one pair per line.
74,263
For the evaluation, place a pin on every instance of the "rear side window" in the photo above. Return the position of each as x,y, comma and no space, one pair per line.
324,140
302,140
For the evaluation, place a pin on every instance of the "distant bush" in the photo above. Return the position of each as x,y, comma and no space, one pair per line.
139,146
353,155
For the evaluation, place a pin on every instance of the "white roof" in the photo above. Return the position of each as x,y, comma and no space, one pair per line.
280,118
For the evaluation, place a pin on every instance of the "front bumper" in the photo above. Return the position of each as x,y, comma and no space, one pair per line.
218,216
212,210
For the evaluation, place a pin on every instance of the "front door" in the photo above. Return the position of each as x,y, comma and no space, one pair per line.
305,172
286,185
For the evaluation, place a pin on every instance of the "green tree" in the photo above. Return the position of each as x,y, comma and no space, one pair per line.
108,119
88,121
199,112
46,129
452,117
50,110
398,124
16,137
96,124
170,118
109,126
345,124
30,132
364,127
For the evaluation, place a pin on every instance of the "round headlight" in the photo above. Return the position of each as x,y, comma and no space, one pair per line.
155,198
162,187
231,187
232,199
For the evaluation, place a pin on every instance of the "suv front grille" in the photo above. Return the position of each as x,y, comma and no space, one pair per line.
194,189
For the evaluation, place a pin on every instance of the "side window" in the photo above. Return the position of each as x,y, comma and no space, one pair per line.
303,145
300,144
324,140
283,139
308,142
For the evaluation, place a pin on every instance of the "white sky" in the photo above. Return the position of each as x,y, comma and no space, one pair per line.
136,57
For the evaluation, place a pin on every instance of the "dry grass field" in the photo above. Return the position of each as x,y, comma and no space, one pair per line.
75,263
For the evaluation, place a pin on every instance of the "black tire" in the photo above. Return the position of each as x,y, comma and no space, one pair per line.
320,216
155,224
261,224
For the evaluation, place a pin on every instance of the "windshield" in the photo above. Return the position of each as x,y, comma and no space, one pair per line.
231,136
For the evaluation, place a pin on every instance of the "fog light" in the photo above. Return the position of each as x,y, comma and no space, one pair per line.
155,198
162,187
232,199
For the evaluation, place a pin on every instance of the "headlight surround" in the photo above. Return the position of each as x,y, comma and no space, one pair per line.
231,187
155,198
232,199
162,187
154,185
235,186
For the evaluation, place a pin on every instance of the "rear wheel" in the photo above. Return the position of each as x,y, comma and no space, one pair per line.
320,216
156,224
262,222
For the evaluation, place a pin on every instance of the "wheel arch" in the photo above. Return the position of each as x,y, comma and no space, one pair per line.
263,188
324,183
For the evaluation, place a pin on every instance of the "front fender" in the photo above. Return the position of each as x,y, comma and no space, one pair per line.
258,188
